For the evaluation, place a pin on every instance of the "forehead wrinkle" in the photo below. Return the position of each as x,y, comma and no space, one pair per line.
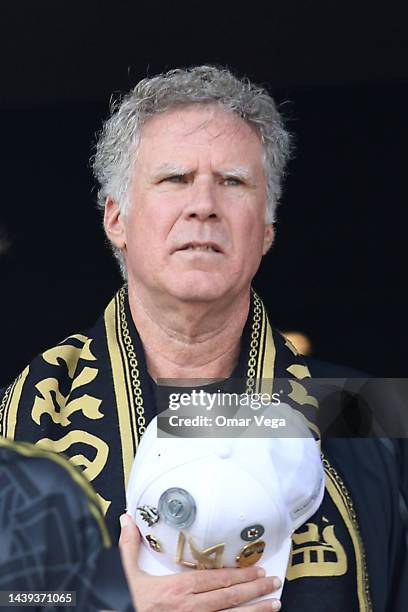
214,112
236,128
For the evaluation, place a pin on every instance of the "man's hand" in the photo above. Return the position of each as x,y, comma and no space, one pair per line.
195,591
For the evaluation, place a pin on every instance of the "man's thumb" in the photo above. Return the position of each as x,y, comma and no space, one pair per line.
129,541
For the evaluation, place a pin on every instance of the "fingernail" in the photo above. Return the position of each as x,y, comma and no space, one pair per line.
124,520
276,604
261,572
277,583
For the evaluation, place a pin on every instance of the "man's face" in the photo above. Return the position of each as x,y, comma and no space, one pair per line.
195,228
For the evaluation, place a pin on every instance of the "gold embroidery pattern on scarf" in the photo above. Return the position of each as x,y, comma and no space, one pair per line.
50,400
318,551
337,488
315,554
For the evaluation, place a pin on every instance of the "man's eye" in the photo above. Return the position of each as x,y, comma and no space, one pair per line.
232,181
176,178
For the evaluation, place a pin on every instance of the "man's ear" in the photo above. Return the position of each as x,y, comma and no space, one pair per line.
113,224
269,235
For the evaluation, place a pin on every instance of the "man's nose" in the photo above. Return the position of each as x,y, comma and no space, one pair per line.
202,203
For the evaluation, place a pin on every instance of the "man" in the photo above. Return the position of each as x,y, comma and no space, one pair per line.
190,167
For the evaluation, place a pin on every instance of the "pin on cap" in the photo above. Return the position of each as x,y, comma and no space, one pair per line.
177,508
223,509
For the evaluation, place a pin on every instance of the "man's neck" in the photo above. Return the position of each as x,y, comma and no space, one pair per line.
186,340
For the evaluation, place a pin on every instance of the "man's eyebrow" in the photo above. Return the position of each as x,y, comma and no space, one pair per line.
238,172
169,168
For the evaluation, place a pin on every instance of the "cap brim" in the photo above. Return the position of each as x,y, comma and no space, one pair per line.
274,566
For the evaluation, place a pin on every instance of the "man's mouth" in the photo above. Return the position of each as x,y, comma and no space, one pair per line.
204,247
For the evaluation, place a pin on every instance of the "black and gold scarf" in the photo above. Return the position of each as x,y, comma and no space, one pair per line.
91,398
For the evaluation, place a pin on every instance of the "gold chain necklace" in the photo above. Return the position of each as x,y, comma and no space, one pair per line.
134,365
253,353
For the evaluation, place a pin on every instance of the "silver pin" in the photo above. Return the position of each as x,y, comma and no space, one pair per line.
149,514
177,508
253,532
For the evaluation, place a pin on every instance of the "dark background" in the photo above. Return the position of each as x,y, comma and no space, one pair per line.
337,271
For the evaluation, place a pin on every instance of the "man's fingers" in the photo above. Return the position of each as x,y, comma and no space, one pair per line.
210,580
129,543
220,589
263,606
236,594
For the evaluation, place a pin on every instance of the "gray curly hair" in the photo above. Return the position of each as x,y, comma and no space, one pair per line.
118,141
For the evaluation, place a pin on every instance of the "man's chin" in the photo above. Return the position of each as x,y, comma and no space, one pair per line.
198,297
194,292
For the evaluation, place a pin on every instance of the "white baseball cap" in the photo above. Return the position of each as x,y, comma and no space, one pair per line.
209,503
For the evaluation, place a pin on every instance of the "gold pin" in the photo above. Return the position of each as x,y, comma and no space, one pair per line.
250,553
154,543
180,551
204,558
